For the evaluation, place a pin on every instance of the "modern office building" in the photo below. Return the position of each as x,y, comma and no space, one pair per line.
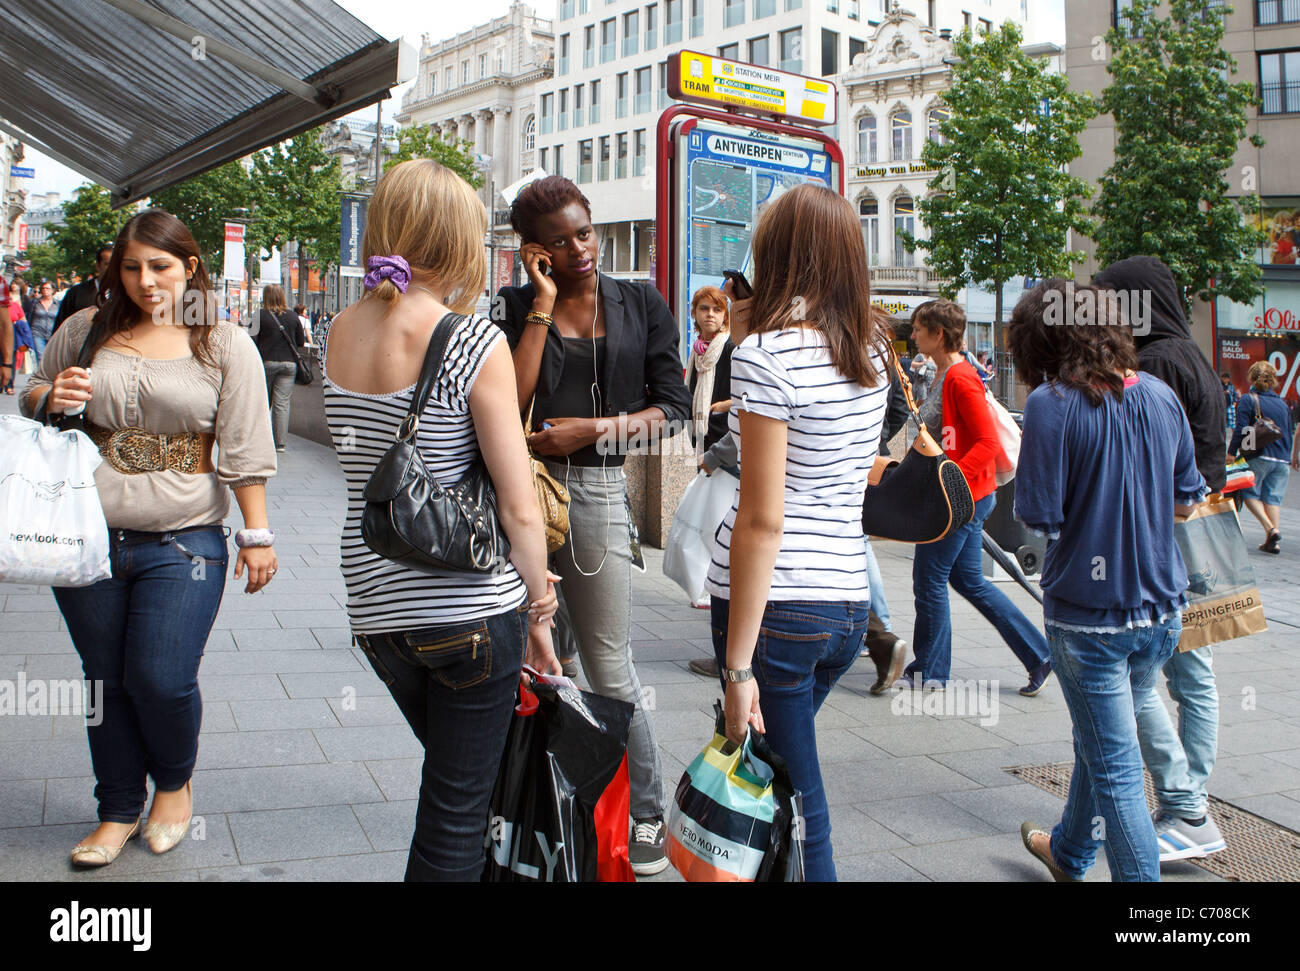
597,115
1264,38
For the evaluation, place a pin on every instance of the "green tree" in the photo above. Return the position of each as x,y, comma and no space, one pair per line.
1003,204
1178,121
421,141
89,223
47,261
205,202
296,186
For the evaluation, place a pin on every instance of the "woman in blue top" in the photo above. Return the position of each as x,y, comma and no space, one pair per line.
1270,464
1106,461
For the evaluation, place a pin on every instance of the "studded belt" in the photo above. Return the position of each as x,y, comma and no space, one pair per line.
133,450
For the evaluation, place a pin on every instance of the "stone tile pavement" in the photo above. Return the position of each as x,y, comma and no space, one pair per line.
307,771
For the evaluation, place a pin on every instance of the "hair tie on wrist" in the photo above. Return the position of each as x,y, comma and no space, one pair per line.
392,268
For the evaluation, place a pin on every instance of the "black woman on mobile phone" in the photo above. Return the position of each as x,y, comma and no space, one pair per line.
598,361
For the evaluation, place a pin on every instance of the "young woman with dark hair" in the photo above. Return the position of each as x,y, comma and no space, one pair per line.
279,332
168,383
958,417
1106,461
599,362
789,574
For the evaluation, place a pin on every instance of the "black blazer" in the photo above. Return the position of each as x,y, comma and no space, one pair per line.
80,297
643,364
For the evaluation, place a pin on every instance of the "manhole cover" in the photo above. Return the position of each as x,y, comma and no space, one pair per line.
1259,850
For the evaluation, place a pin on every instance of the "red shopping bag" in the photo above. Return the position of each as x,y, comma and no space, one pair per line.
612,863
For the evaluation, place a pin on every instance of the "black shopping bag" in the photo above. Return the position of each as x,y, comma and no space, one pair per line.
563,749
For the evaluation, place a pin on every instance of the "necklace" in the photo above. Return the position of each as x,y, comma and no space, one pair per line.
604,456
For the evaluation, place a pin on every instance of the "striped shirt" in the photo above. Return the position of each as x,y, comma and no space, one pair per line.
384,595
832,440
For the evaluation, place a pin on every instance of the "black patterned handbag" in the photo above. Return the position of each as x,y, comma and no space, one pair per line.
921,499
410,518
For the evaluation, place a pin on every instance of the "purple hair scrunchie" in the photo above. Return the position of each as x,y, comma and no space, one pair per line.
388,268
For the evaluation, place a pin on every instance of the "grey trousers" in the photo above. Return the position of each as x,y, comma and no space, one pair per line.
279,392
601,610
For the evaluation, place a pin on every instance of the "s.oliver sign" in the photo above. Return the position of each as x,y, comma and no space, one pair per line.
1275,318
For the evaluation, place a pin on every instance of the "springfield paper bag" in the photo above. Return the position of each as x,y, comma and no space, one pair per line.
1223,601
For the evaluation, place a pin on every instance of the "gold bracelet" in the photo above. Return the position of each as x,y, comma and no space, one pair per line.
537,317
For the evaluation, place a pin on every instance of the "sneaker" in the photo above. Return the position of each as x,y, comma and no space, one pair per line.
1180,840
704,603
569,667
646,851
1041,850
1037,677
708,667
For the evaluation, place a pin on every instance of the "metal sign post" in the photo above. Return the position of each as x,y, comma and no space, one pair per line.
754,136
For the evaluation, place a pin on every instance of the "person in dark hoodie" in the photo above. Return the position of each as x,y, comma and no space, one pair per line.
1180,761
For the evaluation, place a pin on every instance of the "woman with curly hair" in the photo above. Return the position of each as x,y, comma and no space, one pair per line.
1106,461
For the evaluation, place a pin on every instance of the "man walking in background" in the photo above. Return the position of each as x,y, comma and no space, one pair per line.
85,293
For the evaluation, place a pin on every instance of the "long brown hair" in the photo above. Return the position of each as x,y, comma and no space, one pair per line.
118,312
273,298
810,264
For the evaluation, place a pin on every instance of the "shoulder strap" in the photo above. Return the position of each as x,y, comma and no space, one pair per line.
428,373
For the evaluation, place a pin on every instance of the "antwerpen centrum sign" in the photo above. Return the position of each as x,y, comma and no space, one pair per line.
751,88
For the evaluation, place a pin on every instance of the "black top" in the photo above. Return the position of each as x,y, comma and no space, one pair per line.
721,392
642,367
270,340
574,396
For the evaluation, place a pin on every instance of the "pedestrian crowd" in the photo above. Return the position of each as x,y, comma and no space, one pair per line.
790,392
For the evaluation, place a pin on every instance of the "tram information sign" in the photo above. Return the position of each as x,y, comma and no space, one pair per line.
720,83
729,177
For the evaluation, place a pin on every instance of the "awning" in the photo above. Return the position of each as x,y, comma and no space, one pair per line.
139,94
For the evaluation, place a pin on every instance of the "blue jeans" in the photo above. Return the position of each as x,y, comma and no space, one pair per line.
1105,678
455,685
141,635
1181,762
876,588
38,348
803,648
958,558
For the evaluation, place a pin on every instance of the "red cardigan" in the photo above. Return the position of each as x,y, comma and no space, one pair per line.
973,443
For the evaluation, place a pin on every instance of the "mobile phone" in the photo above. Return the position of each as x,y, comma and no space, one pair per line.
740,288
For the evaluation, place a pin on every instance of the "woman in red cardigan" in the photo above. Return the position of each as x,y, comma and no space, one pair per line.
958,417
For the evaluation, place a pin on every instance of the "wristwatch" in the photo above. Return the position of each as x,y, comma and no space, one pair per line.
744,674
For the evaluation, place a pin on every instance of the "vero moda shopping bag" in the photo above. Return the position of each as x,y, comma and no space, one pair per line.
736,817
53,530
559,810
1223,600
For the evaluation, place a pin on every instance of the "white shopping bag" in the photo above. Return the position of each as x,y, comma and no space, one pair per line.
1008,437
690,541
52,529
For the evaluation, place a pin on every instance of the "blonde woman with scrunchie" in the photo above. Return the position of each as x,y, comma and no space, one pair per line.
448,645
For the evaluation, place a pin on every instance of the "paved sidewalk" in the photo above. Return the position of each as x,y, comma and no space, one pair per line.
307,771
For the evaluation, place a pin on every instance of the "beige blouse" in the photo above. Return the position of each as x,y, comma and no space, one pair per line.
166,397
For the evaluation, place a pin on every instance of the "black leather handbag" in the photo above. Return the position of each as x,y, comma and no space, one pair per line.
921,499
410,518
1263,432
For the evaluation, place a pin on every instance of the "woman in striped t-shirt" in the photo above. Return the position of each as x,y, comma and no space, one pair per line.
447,645
789,577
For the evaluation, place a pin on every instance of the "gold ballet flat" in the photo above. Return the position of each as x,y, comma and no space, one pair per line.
90,855
162,837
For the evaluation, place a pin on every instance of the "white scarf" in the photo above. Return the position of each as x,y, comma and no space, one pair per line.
705,368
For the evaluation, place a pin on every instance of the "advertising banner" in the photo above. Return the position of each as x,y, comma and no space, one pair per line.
233,264
352,227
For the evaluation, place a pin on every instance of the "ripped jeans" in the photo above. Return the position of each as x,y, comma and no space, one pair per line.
141,635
